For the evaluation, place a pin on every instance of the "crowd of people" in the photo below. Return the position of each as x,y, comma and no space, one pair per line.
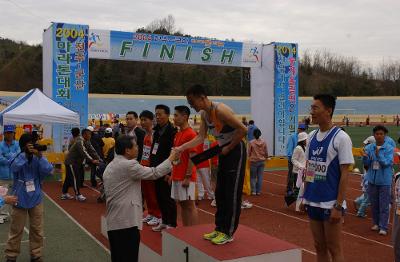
149,161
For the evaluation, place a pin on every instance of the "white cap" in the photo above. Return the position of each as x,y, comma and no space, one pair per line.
90,128
108,130
302,136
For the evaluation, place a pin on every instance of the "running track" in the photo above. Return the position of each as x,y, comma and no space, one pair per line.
268,215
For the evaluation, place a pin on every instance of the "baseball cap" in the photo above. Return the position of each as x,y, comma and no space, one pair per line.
108,130
90,128
9,128
302,136
302,126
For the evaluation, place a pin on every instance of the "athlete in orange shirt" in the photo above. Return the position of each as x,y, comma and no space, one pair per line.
184,172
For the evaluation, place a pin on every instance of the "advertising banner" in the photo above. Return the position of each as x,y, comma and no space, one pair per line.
286,94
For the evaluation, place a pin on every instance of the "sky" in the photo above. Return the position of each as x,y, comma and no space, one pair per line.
364,29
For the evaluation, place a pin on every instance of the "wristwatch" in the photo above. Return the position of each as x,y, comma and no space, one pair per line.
337,206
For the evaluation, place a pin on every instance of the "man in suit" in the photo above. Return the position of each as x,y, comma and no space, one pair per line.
122,184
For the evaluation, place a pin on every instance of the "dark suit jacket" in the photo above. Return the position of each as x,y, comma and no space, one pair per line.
165,143
140,134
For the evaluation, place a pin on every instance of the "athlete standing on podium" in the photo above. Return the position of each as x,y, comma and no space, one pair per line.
229,131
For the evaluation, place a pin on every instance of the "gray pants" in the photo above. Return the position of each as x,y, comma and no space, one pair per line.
396,237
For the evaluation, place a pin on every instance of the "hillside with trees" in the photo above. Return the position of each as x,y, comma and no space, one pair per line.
320,71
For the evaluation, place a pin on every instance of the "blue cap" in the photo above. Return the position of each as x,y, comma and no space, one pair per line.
9,128
302,126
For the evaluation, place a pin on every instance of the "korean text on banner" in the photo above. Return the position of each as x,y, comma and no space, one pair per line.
71,69
286,94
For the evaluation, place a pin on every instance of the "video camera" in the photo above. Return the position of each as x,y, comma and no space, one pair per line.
35,138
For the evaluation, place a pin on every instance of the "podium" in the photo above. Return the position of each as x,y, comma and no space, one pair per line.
184,244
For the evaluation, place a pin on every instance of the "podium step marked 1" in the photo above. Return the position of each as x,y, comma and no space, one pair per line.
185,244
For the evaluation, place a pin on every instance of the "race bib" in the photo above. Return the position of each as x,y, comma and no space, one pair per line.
146,152
375,165
155,148
316,171
30,186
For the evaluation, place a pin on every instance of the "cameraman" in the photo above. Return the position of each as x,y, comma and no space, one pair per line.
29,168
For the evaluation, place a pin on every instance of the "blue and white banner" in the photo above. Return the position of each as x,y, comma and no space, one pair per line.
286,94
118,45
70,73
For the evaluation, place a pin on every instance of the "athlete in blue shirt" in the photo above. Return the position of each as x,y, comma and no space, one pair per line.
329,155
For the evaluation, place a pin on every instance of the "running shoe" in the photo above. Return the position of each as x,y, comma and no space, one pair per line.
214,203
246,204
221,239
211,236
159,227
147,218
80,198
66,197
382,232
375,228
153,221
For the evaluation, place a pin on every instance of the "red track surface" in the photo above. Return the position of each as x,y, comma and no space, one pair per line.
268,215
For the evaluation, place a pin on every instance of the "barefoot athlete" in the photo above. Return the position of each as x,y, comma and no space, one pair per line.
328,154
220,120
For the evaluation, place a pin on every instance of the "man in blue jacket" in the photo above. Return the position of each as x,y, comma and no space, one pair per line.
8,148
29,168
378,157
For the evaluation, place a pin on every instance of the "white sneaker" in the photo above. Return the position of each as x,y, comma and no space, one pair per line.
246,204
375,228
147,218
80,198
66,197
214,203
153,221
382,232
159,228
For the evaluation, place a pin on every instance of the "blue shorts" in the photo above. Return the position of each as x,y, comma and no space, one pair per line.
319,214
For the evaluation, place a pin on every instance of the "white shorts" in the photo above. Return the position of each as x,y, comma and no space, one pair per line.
180,193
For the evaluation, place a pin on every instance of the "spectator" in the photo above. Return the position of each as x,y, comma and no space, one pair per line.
299,164
250,130
378,157
163,140
75,133
204,174
291,144
132,129
97,144
29,168
82,150
257,153
108,141
124,200
362,202
8,148
396,220
244,121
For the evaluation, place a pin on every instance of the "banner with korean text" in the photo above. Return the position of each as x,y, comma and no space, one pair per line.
286,94
116,45
70,73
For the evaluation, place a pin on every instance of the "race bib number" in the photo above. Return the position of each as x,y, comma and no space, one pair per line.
146,152
30,186
155,148
316,171
375,165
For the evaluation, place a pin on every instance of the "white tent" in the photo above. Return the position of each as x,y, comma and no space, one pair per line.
37,108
